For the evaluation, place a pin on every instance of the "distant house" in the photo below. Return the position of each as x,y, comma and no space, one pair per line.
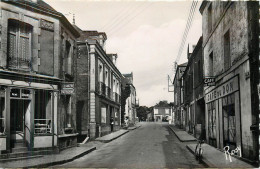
161,112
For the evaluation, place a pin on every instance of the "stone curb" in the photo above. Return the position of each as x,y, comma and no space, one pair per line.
62,161
107,141
203,160
179,137
135,127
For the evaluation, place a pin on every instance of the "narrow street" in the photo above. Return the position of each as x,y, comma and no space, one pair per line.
153,145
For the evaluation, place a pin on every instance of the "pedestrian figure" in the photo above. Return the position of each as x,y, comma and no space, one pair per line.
112,124
126,121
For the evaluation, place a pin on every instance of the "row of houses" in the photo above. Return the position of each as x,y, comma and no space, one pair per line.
57,83
215,92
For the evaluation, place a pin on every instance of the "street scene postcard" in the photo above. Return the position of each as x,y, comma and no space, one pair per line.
129,84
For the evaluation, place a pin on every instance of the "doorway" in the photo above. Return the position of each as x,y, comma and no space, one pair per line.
18,111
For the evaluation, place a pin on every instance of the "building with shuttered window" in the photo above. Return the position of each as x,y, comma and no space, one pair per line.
98,86
37,98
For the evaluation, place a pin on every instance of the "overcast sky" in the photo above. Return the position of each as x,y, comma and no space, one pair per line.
146,35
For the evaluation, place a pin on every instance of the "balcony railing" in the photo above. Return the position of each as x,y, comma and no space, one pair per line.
42,126
102,88
116,97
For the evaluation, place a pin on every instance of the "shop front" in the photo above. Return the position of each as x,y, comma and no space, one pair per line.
27,114
223,123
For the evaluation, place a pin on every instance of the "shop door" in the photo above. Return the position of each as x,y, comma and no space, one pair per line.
229,122
229,127
212,123
18,109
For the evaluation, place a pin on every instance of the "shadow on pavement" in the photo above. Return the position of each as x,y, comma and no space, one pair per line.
176,154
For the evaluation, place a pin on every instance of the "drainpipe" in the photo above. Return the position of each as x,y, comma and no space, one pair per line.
88,82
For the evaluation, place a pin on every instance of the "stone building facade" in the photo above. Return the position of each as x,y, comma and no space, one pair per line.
231,55
179,96
36,76
130,100
193,91
98,86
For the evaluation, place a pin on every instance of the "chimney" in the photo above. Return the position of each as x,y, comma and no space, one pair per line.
193,47
114,58
102,40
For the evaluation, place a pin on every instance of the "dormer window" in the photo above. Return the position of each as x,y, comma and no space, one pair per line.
19,45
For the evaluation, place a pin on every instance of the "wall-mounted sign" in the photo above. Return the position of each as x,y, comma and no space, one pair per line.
67,88
225,89
209,81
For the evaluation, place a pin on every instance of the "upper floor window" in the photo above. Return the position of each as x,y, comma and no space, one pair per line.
211,68
210,18
199,70
100,73
227,58
67,58
106,77
19,45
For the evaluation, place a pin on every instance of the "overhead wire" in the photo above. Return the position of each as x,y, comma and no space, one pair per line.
117,16
123,17
187,28
132,18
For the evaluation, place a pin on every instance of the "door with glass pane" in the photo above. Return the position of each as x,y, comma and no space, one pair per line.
229,122
212,123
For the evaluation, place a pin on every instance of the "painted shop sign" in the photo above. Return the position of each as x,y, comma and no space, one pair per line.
223,90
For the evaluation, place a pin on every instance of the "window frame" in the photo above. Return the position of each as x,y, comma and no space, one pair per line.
17,32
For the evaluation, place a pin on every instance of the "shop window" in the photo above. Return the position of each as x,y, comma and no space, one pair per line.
66,108
227,57
116,118
212,123
103,114
19,45
2,117
42,112
229,121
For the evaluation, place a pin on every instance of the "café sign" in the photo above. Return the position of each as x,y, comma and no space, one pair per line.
67,88
209,81
223,90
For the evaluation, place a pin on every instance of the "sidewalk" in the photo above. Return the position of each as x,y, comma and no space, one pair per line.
134,127
64,156
212,157
215,158
182,135
112,136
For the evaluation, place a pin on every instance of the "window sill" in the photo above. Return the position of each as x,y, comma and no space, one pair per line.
42,134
